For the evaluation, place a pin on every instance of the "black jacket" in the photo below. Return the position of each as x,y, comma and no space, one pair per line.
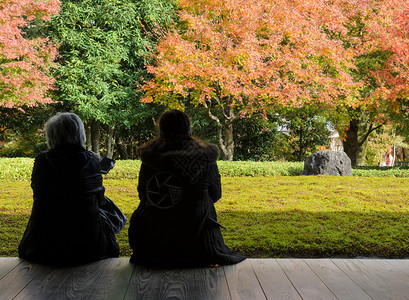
66,226
175,223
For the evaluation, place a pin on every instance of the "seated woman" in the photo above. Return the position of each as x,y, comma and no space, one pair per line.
71,222
175,223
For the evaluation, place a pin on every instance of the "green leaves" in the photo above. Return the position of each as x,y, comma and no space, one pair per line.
104,48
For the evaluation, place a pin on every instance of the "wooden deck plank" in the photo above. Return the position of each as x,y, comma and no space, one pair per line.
7,264
147,283
273,280
252,279
242,281
44,285
81,281
114,280
393,277
307,283
17,279
401,264
210,283
372,284
336,280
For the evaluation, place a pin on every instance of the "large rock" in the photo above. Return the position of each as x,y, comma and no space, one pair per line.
326,162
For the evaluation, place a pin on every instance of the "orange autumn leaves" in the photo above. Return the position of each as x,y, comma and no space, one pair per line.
253,54
391,32
24,62
250,54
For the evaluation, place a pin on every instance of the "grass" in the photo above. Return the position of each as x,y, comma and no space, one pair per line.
276,216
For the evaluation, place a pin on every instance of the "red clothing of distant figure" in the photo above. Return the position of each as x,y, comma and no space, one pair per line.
389,158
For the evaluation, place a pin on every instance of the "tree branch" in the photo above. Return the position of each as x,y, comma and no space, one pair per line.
219,127
360,143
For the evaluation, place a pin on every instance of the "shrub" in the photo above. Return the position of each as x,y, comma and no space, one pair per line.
17,169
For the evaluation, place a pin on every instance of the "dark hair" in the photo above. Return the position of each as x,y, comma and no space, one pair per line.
65,128
174,133
174,124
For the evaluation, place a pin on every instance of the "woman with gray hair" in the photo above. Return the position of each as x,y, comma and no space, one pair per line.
71,222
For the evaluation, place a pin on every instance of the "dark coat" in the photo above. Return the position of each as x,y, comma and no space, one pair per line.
175,223
66,226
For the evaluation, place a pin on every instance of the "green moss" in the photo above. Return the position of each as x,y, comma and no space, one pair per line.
281,216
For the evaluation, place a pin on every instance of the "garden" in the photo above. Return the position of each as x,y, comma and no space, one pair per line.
267,208
268,81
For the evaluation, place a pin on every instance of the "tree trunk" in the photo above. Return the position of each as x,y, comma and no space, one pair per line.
95,136
355,144
228,140
363,128
110,141
123,153
301,145
225,130
351,141
88,134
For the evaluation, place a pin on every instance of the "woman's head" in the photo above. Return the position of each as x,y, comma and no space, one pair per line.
65,128
174,124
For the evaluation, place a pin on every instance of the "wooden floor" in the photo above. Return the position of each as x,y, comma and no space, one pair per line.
252,279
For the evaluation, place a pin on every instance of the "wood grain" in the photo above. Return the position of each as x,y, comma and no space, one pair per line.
336,280
43,286
7,264
81,281
400,264
307,283
369,281
147,283
114,280
242,282
273,280
252,279
210,283
17,279
394,278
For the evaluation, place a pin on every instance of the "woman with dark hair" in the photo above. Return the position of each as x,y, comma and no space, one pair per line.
175,223
71,222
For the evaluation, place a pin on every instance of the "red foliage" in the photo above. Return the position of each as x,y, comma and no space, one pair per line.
391,32
24,62
253,53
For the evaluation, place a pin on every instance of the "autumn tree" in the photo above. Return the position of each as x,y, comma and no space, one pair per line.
390,33
25,54
377,30
240,57
104,47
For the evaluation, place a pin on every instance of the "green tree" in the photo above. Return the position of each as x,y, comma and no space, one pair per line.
104,47
306,130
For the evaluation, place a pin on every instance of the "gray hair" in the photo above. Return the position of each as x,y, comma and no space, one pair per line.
65,128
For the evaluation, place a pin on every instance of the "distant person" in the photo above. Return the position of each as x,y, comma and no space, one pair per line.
71,222
389,158
175,223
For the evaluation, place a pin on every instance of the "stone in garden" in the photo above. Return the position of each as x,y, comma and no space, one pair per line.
326,162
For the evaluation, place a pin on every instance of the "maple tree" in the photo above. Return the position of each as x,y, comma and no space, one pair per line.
378,31
390,31
25,55
237,57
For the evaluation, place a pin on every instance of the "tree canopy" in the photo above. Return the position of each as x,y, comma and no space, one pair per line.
244,56
104,48
25,55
